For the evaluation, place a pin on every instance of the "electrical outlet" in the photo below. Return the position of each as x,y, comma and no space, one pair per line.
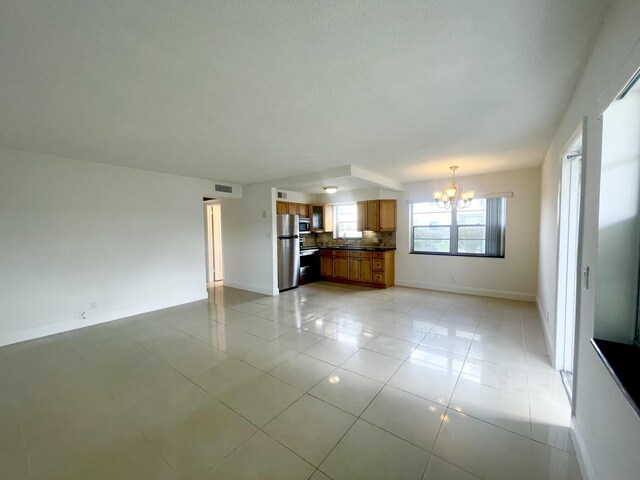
453,279
84,315
93,305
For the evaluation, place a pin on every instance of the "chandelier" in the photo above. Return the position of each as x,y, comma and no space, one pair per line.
453,194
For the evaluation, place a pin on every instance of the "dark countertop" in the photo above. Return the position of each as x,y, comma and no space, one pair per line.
622,361
356,247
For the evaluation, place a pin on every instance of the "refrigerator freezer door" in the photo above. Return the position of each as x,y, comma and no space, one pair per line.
288,263
287,225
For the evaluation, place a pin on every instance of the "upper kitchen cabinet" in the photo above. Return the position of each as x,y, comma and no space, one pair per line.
293,208
303,210
321,218
377,215
281,207
387,213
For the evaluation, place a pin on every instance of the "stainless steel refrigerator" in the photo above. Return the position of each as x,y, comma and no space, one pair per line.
288,252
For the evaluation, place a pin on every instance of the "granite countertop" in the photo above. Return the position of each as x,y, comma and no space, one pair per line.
356,247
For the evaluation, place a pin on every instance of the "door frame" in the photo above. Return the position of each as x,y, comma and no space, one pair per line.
213,241
562,274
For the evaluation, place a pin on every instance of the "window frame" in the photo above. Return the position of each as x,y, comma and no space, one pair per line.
336,231
454,236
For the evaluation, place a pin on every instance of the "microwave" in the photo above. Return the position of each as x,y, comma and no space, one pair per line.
304,225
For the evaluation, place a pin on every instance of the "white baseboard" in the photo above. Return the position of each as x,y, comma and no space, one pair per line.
525,297
547,337
249,287
584,461
61,327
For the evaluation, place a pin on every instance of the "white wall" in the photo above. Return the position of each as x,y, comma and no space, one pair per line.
74,232
511,277
608,428
248,246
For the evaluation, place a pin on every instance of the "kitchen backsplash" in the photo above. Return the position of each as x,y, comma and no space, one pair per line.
376,239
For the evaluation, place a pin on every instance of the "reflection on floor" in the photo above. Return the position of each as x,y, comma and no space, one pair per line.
325,381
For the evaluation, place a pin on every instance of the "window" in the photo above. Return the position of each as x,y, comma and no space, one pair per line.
477,230
346,221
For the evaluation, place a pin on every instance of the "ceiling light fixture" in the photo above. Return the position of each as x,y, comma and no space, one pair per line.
330,190
453,194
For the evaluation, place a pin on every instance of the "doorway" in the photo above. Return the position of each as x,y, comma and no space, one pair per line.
213,235
568,260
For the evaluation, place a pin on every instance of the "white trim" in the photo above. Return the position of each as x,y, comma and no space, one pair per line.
484,292
53,329
584,461
547,336
250,288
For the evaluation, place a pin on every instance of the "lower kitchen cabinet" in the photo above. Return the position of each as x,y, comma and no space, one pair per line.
371,269
341,265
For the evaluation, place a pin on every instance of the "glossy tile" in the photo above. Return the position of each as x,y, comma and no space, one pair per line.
553,464
495,376
346,390
411,418
484,449
141,463
332,351
183,393
450,343
267,356
443,360
261,399
552,426
298,340
391,346
367,452
439,469
145,384
302,371
264,458
226,376
375,366
425,381
353,334
201,437
504,409
310,428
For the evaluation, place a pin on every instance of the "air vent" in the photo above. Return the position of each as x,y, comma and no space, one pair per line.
223,188
282,195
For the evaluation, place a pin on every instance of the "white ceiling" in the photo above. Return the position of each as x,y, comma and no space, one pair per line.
247,91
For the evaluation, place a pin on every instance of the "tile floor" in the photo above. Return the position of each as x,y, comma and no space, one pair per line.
324,382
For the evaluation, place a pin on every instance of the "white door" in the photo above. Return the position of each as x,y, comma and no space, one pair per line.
568,266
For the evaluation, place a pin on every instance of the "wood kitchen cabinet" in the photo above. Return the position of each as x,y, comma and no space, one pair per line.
360,267
292,208
377,215
341,265
303,210
326,264
371,269
321,218
281,207
388,215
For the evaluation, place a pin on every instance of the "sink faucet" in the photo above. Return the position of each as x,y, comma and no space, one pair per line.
344,239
